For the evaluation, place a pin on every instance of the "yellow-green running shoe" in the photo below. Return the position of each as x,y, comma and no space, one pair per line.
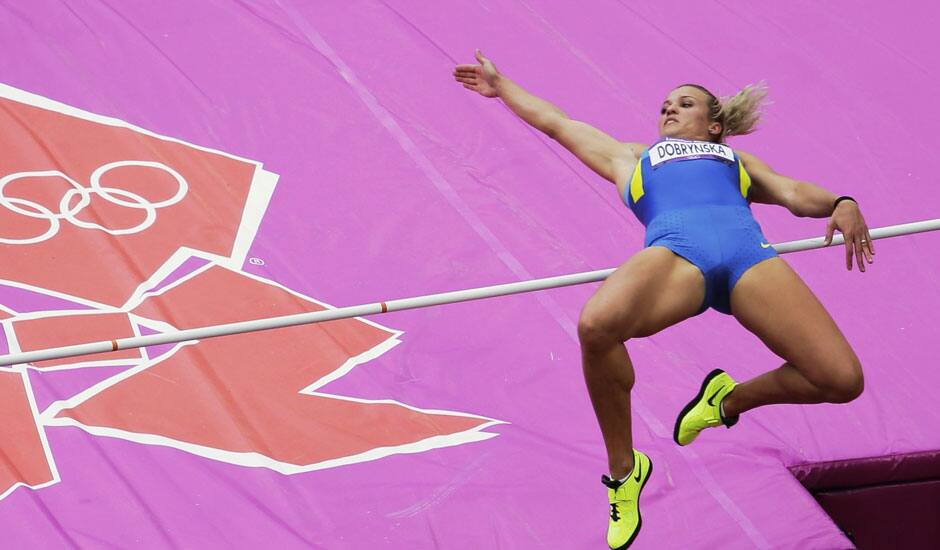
704,411
624,497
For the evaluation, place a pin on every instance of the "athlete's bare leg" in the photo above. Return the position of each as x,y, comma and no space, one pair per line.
773,302
651,291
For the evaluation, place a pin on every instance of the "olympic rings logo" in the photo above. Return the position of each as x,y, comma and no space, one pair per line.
68,213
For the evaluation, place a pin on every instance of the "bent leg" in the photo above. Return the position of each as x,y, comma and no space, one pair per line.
771,301
651,291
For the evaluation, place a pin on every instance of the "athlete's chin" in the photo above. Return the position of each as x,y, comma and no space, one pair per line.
671,132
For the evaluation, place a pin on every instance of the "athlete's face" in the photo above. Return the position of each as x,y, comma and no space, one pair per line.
684,115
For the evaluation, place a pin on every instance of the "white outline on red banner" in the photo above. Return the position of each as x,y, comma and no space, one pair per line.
260,192
48,416
40,429
135,322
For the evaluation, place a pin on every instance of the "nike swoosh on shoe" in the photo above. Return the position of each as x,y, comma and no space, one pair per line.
711,400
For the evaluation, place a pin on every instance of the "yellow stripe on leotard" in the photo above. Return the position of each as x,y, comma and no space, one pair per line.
745,179
636,182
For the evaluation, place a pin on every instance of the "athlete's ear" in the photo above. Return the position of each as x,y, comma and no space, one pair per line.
714,129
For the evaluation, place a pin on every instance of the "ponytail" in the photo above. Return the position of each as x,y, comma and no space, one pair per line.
738,114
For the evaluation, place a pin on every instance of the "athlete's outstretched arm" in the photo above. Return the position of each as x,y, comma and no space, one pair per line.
611,159
807,200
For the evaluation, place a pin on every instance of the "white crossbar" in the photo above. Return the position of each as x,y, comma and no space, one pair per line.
398,305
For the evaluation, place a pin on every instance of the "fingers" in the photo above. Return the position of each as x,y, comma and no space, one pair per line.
472,74
853,251
468,75
859,256
858,247
858,243
486,65
866,249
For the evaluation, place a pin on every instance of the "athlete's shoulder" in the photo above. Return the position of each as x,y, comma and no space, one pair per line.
751,162
744,156
632,153
636,149
628,163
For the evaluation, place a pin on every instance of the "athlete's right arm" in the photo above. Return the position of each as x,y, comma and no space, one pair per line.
611,159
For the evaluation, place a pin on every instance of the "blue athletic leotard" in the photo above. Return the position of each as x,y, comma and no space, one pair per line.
692,198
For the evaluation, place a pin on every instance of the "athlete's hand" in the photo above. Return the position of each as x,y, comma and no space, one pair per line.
848,219
479,78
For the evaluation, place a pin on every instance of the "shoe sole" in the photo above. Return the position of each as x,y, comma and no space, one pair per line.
639,514
701,393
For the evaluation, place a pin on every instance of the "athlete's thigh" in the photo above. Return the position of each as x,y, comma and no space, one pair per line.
774,303
652,290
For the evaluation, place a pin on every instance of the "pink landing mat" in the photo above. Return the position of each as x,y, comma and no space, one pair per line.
171,164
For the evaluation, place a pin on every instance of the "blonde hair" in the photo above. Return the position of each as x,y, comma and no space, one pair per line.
738,114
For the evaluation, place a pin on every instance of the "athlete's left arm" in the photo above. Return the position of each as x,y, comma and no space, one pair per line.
807,200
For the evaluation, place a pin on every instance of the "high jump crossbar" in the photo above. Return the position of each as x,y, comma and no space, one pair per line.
399,305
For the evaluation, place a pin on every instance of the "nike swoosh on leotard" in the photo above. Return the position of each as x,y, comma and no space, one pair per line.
765,245
712,398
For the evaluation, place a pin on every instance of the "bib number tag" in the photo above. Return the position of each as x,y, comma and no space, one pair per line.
666,151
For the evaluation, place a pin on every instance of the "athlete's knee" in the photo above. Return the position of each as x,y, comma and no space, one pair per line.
594,331
845,383
598,329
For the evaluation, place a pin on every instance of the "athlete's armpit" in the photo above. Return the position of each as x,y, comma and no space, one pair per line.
767,186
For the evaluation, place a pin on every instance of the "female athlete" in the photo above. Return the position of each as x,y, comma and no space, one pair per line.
703,249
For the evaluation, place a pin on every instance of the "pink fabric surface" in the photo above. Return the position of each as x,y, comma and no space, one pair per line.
393,181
